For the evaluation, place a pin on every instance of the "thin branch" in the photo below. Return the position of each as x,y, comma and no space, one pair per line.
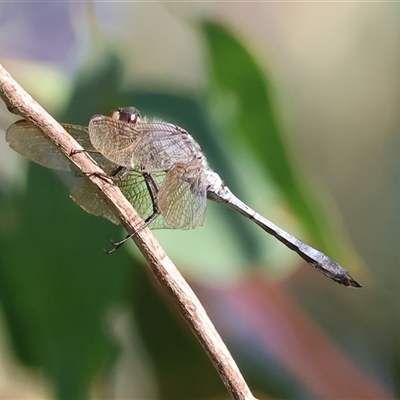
168,276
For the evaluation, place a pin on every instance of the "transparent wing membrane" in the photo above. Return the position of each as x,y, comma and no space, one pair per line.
137,193
29,141
86,196
182,200
152,147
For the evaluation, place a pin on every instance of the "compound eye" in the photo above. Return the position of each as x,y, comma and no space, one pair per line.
129,114
135,117
126,114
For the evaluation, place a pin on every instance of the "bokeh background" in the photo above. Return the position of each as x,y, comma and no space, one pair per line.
296,106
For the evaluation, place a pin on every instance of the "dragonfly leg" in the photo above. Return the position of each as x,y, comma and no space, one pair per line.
73,152
106,176
153,188
146,223
111,174
116,171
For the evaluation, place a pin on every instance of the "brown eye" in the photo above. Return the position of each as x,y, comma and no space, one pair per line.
129,114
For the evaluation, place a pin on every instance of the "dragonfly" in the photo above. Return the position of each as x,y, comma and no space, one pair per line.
161,170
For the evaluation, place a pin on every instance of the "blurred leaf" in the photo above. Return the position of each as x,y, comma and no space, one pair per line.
56,283
97,91
182,367
238,84
277,335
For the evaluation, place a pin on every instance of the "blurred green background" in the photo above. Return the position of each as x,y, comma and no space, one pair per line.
296,106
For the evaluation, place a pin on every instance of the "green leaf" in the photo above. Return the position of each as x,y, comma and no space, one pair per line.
244,95
57,284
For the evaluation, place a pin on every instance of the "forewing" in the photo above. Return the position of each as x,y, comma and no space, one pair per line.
162,145
80,134
29,141
144,146
182,198
114,139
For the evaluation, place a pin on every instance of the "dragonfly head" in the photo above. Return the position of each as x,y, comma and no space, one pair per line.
126,114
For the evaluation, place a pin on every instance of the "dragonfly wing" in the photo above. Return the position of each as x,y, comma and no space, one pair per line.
80,134
152,147
114,139
29,141
135,190
182,198
87,197
162,145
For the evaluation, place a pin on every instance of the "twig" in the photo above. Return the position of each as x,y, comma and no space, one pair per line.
20,102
